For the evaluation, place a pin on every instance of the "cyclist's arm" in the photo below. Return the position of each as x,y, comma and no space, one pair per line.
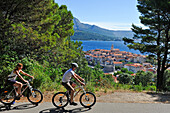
26,74
75,77
20,76
79,77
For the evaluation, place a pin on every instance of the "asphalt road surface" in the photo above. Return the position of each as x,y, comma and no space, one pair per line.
47,107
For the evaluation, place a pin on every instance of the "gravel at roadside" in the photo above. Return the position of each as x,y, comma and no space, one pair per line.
118,97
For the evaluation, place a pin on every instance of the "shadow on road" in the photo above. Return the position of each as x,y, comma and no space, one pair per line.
24,106
2,108
56,110
18,107
164,98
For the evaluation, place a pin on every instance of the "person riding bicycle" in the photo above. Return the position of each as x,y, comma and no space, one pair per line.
12,78
69,85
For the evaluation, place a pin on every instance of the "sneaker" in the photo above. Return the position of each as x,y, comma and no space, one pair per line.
73,103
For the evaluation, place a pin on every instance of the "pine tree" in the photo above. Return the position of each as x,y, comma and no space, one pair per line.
33,27
154,40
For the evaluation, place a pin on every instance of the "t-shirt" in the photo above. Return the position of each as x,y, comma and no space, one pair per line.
67,75
13,76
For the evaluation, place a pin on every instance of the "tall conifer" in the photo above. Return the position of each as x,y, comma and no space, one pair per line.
154,40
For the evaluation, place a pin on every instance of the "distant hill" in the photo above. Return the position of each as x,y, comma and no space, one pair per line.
93,32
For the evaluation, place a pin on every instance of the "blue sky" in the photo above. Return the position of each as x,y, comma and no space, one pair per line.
109,14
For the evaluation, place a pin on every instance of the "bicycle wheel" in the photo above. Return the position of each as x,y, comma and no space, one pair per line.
35,97
87,99
7,96
60,99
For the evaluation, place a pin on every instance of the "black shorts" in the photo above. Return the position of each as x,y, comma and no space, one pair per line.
11,81
65,84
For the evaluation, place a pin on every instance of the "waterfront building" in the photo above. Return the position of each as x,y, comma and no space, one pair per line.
114,57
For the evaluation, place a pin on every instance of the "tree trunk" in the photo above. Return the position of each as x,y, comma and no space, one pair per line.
158,85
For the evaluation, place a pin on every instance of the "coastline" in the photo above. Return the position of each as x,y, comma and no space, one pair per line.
98,44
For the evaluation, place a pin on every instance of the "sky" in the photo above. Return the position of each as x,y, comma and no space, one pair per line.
109,14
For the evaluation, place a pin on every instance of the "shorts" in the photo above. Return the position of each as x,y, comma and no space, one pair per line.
68,87
11,81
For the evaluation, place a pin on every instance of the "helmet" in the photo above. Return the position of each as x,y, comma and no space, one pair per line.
74,64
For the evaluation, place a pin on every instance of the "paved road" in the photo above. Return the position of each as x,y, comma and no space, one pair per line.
47,107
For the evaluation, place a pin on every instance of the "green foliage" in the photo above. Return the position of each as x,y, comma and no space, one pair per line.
125,78
30,33
143,78
155,39
124,70
117,67
167,80
150,88
33,28
90,88
138,87
37,34
84,35
118,72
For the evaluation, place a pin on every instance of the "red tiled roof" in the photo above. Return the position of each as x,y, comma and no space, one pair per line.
117,54
117,62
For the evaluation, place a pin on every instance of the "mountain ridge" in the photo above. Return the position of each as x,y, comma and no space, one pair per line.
92,32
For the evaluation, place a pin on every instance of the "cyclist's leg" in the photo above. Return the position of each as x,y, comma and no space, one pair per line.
72,85
69,87
19,86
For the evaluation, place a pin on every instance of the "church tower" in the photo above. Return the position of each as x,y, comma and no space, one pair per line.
112,48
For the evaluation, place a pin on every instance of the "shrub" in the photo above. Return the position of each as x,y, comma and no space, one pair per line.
138,87
150,88
90,88
166,80
143,78
125,78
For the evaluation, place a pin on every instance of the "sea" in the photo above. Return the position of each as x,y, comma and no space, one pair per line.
89,45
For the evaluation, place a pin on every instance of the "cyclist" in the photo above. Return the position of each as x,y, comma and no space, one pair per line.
69,85
12,78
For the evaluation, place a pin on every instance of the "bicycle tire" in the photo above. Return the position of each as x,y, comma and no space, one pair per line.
60,99
7,96
38,97
87,99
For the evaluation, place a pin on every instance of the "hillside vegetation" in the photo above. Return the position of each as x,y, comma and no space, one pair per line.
37,34
84,35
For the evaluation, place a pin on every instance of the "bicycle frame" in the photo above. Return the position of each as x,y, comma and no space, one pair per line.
80,88
61,99
27,85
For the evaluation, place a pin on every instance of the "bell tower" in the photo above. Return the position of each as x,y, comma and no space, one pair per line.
112,48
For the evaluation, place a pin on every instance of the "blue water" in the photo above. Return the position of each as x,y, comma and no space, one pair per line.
89,45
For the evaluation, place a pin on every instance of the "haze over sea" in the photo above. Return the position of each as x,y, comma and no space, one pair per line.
89,45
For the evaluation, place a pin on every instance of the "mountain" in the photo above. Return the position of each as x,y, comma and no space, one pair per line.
93,32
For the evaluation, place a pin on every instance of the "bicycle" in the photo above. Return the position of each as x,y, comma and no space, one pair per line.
8,95
61,99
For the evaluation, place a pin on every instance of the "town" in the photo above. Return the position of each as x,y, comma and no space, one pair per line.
109,59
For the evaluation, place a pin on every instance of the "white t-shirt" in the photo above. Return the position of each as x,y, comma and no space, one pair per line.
13,76
67,75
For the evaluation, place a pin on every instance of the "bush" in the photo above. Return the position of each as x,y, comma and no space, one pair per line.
124,70
166,80
125,78
90,88
143,78
150,88
138,87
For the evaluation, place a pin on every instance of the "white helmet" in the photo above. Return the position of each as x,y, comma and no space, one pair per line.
75,65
